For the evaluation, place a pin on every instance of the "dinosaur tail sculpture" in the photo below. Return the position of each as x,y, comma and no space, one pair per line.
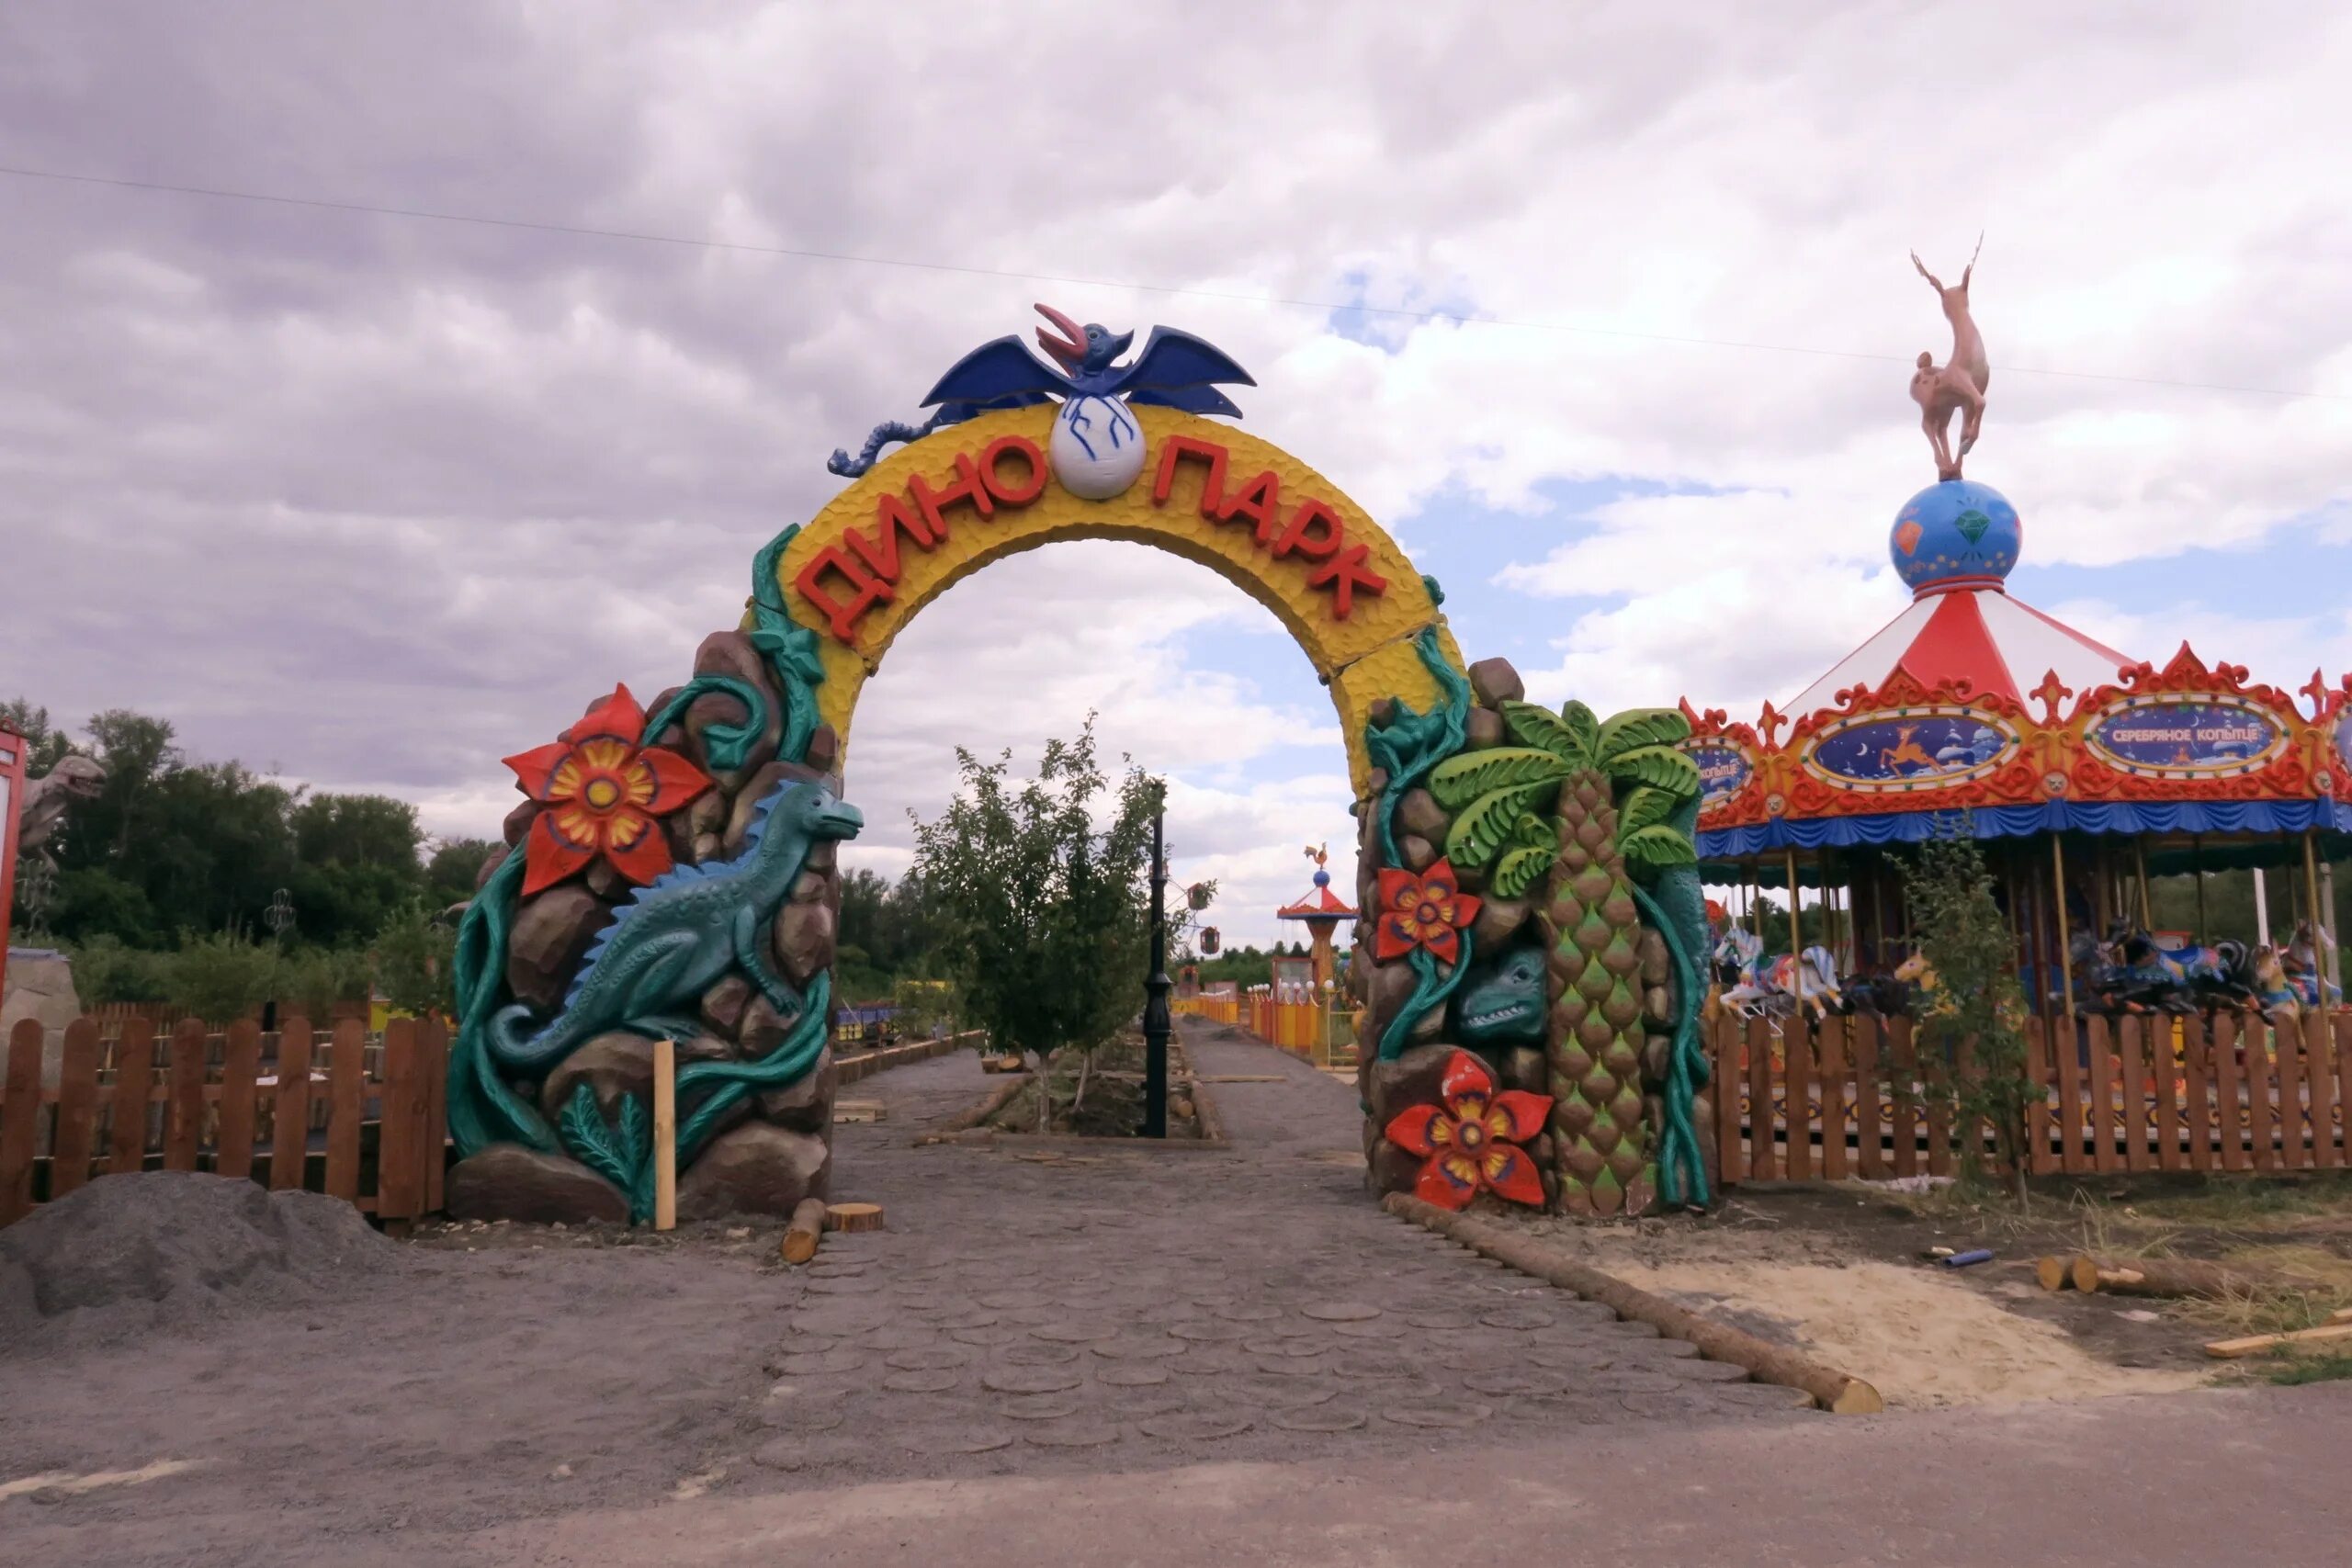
889,430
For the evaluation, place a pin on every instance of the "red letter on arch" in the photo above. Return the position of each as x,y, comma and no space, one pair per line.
1182,446
1343,575
867,591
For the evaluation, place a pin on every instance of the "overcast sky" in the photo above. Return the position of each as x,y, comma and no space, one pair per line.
372,500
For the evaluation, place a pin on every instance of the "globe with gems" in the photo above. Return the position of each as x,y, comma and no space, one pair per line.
1955,533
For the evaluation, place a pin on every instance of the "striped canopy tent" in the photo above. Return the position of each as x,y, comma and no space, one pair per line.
1973,712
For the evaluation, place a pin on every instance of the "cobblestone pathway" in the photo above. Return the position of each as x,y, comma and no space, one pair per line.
1132,1308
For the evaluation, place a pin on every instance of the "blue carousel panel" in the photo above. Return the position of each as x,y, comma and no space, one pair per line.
2343,742
2246,817
2186,738
1723,771
1919,748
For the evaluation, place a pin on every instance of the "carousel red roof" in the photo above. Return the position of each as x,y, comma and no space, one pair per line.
1977,635
1319,904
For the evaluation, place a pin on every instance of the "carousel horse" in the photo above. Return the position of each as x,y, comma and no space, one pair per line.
2304,971
1934,999
2276,996
1772,987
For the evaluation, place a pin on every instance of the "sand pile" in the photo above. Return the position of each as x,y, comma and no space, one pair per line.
128,1256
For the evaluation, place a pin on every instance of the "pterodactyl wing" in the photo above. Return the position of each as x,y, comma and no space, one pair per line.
995,373
1174,362
1192,400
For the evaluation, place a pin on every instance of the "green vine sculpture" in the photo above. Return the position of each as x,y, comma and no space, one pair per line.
1408,748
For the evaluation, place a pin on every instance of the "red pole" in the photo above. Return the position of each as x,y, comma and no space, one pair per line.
12,800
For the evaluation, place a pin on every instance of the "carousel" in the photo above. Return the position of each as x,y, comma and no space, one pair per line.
2086,773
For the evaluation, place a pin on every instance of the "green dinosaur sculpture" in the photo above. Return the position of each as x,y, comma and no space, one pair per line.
1508,1006
680,935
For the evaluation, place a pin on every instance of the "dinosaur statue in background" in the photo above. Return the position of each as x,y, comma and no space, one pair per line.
47,797
1957,386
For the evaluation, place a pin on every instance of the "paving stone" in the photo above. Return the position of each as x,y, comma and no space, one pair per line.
1696,1370
1205,1332
1074,1332
1138,1374
921,1382
1301,1346
1517,1381
899,1336
1439,1415
813,1362
1765,1395
1039,1407
792,1414
1029,1380
1320,1418
1034,1354
1005,1334
980,1441
1516,1318
784,1453
1075,1435
1138,1350
1444,1318
1340,1312
1195,1426
928,1358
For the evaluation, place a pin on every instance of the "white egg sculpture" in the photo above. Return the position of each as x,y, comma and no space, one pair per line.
1097,447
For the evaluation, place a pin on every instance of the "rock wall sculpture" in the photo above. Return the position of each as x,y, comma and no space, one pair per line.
1532,900
669,873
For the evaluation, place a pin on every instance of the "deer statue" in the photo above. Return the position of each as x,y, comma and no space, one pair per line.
1959,384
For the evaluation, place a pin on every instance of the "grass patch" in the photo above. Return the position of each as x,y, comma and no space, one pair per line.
2289,1370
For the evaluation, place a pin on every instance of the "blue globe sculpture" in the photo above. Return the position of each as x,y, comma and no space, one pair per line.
1955,534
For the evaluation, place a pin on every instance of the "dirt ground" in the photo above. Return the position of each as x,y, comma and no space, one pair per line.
1846,1270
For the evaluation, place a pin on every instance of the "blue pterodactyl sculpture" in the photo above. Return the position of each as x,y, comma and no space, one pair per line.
1175,370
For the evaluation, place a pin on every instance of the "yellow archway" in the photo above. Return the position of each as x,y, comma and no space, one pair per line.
941,509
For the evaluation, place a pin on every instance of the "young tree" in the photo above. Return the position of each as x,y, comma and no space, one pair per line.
1046,914
1972,1017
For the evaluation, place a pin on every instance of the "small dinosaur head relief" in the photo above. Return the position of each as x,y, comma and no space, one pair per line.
1508,1003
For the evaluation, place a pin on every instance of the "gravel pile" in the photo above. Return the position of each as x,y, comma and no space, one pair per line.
131,1256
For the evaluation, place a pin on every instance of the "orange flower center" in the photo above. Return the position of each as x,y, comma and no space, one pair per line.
602,794
1470,1134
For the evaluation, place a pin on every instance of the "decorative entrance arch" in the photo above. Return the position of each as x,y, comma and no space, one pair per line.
934,513
1526,974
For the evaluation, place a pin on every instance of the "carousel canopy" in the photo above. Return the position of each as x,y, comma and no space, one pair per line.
1973,712
1319,904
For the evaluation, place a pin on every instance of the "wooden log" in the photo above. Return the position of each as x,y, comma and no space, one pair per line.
850,1218
1833,1391
2167,1277
2255,1344
77,1109
998,1098
2053,1273
665,1134
801,1235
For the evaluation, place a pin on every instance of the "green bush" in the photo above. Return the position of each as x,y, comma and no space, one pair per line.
312,980
106,971
220,978
412,959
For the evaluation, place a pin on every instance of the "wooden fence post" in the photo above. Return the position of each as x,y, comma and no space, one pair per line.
184,1104
665,1134
19,1119
240,1110
133,1076
399,1171
347,1107
289,1143
77,1109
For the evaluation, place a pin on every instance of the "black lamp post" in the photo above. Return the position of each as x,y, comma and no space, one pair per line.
1155,991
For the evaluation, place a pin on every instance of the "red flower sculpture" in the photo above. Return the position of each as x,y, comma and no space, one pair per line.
1472,1141
604,794
1428,910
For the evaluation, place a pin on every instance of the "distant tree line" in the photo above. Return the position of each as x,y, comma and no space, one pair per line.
163,883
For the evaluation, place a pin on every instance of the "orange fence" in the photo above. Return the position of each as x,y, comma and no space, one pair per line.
343,1113
1217,1007
1847,1097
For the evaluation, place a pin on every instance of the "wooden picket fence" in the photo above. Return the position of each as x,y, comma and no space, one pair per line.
1848,1097
341,1112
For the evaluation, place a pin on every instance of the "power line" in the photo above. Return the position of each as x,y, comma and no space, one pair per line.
1174,290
